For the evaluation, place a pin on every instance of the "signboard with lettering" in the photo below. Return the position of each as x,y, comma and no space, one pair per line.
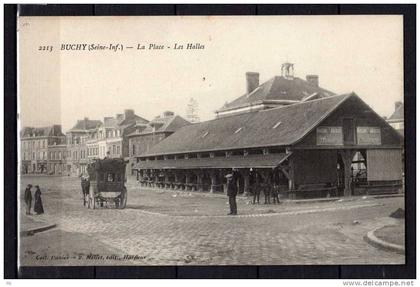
368,136
329,136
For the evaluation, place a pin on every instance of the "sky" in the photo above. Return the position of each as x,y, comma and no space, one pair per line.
361,54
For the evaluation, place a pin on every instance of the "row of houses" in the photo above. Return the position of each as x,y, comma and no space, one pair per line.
287,131
49,151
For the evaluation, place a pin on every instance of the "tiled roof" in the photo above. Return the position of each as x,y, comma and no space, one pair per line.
163,124
54,130
273,127
129,121
398,113
86,124
279,88
110,122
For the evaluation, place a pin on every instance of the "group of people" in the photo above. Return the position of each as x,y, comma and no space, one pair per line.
38,207
270,192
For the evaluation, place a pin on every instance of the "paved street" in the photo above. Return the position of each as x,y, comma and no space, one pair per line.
177,228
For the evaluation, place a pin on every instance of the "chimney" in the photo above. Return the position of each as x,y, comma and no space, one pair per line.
313,80
288,71
168,114
119,117
398,105
128,113
252,81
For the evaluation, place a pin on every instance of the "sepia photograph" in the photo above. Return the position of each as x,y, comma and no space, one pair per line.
211,140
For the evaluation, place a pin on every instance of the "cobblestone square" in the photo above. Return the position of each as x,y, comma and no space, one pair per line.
162,227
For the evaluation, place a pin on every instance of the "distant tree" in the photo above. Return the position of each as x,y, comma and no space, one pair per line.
192,111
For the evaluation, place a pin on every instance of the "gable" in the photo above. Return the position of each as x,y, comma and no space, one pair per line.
354,111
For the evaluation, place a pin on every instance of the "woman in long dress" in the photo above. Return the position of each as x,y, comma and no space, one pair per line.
38,207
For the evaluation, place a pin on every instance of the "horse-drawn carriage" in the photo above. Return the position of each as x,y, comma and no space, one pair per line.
105,185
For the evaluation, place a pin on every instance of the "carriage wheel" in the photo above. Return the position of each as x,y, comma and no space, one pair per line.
123,199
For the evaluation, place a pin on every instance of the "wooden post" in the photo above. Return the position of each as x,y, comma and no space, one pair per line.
187,180
347,157
245,176
222,178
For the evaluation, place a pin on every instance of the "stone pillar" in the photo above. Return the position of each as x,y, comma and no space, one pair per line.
213,178
177,180
156,178
166,183
187,180
199,176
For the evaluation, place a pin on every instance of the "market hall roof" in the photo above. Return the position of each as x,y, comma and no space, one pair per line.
250,161
279,126
278,88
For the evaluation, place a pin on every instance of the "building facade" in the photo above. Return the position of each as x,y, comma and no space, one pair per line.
34,147
57,159
308,148
396,120
148,135
76,144
93,139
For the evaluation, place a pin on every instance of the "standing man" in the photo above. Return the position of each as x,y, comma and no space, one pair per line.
232,191
28,198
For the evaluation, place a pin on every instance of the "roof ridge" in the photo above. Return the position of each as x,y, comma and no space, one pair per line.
327,114
306,102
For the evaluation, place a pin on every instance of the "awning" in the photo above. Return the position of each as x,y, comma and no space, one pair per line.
250,161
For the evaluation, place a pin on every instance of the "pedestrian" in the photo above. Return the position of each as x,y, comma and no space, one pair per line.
275,194
232,191
28,198
85,188
256,189
38,207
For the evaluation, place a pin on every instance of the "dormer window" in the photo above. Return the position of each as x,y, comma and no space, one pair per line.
277,124
205,134
238,130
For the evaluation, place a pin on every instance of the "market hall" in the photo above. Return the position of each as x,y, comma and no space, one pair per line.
330,146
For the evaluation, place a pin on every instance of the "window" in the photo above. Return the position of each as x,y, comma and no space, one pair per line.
348,131
329,135
113,149
238,130
276,125
134,149
118,150
368,135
